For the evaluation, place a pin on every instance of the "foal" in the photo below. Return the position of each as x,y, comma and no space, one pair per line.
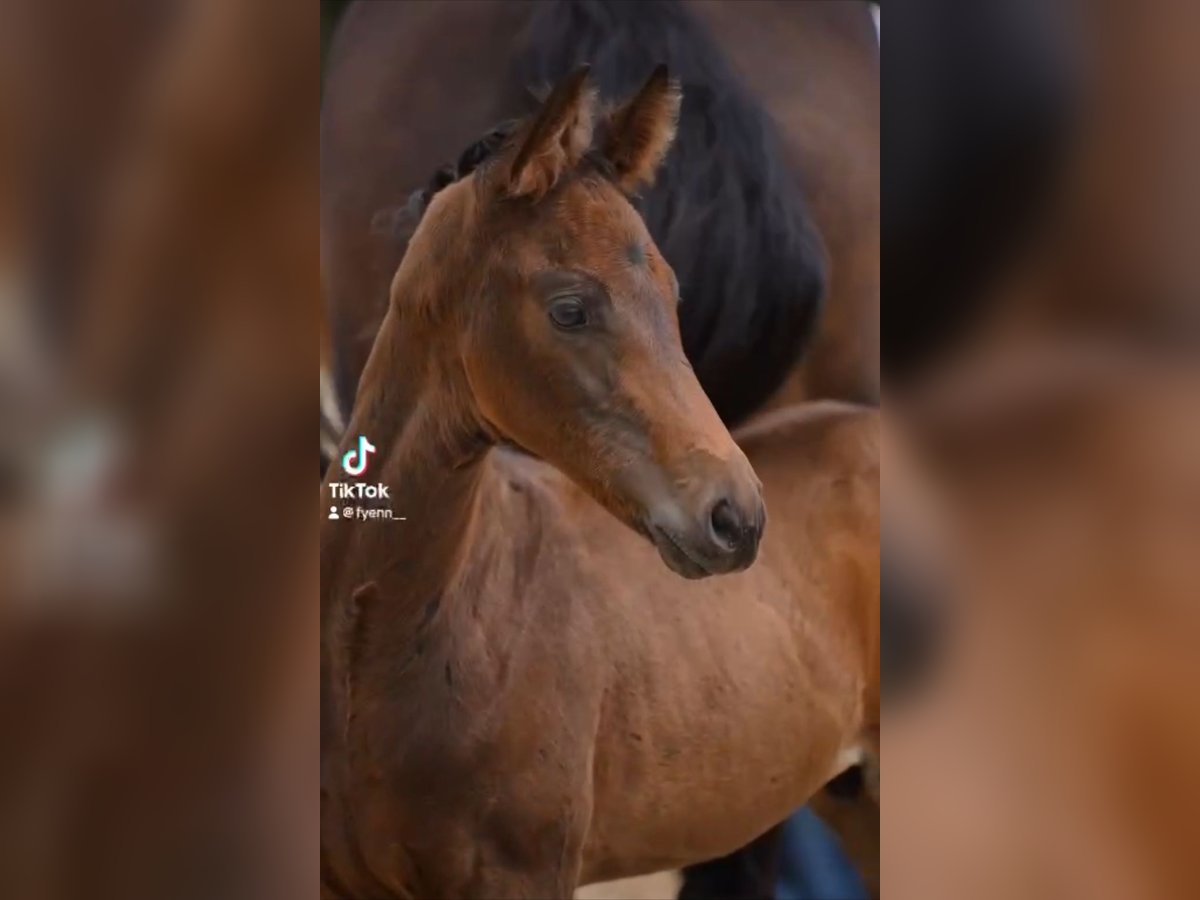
516,696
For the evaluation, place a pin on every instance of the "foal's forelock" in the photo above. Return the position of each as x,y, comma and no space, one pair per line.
624,144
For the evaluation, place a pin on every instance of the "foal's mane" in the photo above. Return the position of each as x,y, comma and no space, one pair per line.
725,210
469,160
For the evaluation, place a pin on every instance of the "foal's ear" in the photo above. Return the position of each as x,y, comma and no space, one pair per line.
556,139
641,131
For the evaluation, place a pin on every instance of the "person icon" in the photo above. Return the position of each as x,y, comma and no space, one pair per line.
333,513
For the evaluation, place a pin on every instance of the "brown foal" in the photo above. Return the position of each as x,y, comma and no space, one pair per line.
517,697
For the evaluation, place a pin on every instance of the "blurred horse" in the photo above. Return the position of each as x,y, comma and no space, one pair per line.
1052,408
1042,191
157,627
515,698
1052,753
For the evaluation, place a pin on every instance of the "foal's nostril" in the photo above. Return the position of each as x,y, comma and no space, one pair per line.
726,525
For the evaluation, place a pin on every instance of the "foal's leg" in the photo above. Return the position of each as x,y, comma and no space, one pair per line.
501,876
528,858
513,884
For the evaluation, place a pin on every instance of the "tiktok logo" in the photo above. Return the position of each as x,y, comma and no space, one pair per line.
354,462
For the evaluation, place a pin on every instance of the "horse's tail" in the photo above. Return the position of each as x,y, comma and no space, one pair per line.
333,422
726,210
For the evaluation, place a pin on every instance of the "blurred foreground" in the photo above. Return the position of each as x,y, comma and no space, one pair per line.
1042,471
158,320
1049,751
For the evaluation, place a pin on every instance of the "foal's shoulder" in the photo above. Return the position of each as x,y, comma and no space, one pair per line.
520,470
526,489
526,481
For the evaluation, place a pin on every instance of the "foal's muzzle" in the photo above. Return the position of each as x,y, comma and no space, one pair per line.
734,532
717,535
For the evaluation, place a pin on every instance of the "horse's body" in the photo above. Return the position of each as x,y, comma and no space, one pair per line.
516,695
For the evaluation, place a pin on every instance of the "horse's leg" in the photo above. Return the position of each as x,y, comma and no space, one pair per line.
522,884
530,857
505,869
746,874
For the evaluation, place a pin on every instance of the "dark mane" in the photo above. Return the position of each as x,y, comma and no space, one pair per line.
724,210
469,160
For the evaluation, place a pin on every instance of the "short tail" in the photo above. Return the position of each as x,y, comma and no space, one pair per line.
333,422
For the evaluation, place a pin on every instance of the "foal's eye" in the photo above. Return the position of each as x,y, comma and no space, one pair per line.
568,313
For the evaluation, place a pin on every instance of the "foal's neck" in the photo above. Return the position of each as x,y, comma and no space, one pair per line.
431,453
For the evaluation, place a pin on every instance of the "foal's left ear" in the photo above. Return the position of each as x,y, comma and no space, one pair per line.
556,139
640,133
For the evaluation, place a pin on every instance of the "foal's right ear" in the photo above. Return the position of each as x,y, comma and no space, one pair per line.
556,139
640,132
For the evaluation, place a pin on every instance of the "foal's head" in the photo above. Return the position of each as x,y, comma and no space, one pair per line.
561,314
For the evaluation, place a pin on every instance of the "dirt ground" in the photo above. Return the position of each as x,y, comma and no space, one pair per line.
659,886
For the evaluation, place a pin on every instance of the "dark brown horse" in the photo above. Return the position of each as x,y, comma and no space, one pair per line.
517,697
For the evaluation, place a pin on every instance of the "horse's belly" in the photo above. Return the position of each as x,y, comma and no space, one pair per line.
708,753
691,823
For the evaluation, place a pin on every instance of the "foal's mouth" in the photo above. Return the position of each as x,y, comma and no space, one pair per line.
675,556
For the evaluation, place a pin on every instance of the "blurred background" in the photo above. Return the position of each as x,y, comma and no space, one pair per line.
159,308
1041,487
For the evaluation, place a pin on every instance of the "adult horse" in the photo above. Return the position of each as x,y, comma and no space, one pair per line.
516,698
